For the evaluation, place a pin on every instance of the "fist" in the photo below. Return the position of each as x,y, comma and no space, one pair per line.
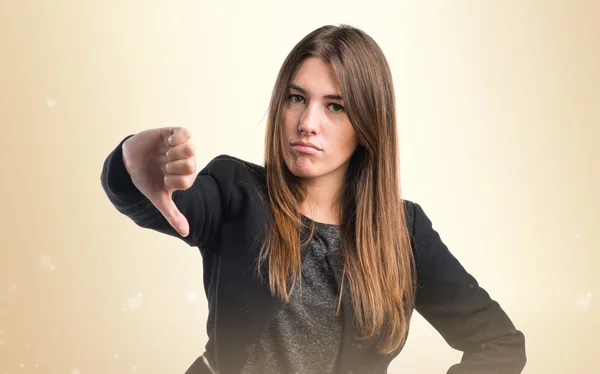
160,162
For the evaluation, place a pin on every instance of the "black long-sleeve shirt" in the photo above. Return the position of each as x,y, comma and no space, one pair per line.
227,211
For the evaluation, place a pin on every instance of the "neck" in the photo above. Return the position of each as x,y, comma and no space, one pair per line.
320,203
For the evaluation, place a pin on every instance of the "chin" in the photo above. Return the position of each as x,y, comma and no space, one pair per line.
301,167
303,171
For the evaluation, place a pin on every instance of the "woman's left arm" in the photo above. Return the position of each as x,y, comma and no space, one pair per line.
464,314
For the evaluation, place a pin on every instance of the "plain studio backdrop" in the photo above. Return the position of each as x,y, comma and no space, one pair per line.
498,110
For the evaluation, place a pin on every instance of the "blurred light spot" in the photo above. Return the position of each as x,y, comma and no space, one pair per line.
139,294
191,296
51,103
116,356
134,303
584,302
75,371
577,236
45,260
2,342
52,267
56,332
134,367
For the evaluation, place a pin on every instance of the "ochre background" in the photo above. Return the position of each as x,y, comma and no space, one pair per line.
499,121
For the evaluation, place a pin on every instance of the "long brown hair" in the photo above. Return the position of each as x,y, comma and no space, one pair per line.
378,262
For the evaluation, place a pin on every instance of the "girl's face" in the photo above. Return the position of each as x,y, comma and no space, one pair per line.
314,114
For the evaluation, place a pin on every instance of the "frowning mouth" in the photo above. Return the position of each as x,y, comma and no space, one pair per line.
301,144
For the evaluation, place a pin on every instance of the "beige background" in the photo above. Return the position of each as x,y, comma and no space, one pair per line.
499,115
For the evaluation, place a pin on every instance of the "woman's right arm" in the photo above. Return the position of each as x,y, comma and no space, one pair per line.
204,204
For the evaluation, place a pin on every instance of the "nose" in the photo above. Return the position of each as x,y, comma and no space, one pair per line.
310,120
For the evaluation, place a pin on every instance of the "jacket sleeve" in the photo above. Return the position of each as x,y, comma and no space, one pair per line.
452,301
204,204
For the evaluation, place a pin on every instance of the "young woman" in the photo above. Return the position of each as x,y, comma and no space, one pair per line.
313,263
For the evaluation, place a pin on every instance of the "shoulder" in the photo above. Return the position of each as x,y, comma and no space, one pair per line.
228,165
431,253
237,180
417,220
229,161
409,213
425,240
409,205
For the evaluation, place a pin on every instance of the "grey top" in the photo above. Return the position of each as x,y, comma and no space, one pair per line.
304,336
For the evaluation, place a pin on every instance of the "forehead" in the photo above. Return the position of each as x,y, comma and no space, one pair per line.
316,76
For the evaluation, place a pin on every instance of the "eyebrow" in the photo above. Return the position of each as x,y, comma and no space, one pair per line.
332,97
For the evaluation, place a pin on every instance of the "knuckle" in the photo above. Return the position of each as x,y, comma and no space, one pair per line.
189,182
189,165
174,182
190,149
170,154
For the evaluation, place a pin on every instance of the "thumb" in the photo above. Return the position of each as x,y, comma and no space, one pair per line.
169,210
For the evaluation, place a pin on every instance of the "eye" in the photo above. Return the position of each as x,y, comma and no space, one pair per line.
337,108
295,98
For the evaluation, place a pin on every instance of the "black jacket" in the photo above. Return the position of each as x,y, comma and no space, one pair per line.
227,212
